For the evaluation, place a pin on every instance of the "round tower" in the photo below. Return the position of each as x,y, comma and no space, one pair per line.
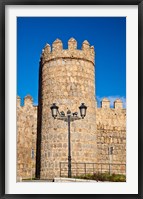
67,79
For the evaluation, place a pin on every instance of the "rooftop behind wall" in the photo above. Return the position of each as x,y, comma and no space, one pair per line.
57,51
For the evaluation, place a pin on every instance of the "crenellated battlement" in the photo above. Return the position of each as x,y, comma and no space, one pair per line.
86,53
28,101
105,103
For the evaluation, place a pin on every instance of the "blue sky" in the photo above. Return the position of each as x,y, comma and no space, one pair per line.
107,34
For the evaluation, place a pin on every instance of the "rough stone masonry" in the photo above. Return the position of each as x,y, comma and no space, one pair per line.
67,78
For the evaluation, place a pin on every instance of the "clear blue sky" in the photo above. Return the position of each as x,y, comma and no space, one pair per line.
107,34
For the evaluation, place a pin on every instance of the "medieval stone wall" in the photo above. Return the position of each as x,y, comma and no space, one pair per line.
111,132
26,138
67,78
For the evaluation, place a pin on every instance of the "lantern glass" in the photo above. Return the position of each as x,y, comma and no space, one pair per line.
82,109
54,110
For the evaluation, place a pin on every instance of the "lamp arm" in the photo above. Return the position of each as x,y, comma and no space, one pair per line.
58,112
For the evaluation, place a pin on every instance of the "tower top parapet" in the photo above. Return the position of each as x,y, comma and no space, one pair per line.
86,52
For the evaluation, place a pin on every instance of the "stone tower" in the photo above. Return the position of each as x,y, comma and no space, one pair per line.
67,78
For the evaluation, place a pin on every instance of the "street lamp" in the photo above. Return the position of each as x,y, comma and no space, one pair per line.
54,110
82,109
68,118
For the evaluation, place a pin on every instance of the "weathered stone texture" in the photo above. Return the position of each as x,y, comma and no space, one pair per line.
111,132
26,138
67,78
